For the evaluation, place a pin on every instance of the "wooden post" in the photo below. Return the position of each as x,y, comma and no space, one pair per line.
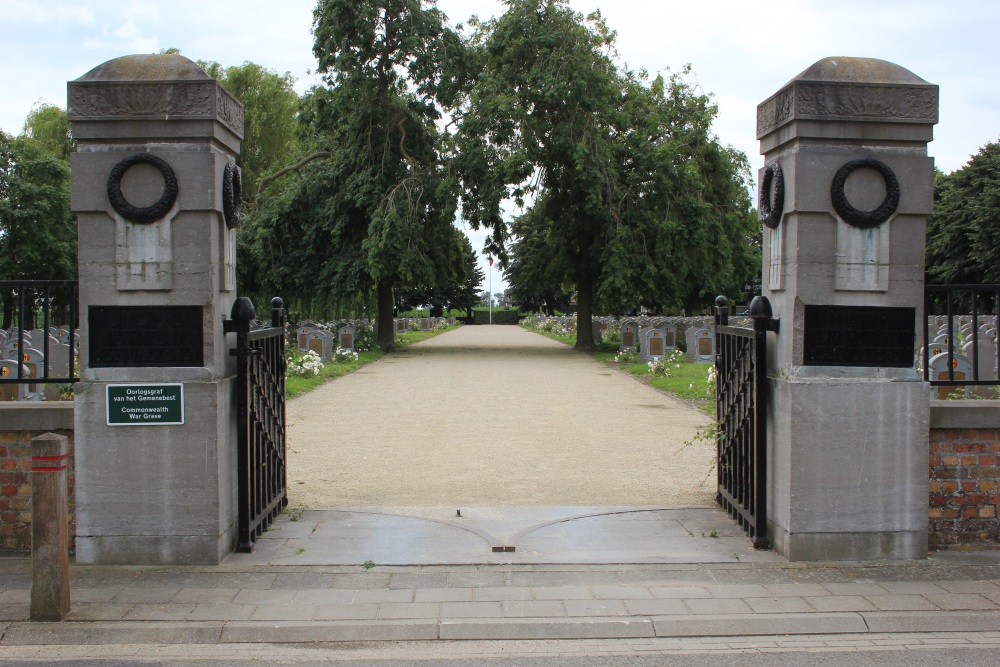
49,528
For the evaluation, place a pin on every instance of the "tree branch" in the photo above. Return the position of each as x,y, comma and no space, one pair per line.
264,182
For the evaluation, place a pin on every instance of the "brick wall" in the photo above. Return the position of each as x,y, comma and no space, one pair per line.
18,425
964,476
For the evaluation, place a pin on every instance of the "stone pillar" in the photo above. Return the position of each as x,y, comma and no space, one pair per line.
157,195
845,192
49,528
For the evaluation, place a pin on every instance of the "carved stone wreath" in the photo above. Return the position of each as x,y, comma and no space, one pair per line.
770,206
857,217
232,195
142,214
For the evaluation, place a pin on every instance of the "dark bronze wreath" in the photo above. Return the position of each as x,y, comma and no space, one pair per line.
232,195
144,214
857,217
770,205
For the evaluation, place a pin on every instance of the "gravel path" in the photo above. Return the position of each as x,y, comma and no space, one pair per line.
493,416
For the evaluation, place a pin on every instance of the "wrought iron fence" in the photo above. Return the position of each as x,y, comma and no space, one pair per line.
26,304
260,378
949,305
741,405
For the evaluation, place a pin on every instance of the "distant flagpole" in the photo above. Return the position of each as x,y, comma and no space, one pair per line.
491,290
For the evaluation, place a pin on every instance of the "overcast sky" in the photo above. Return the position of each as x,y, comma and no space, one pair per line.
741,52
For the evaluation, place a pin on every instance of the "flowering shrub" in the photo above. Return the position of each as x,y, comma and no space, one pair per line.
414,325
626,357
340,355
658,367
612,333
441,325
364,338
305,365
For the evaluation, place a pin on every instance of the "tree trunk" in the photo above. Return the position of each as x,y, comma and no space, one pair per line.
584,313
437,311
7,297
385,335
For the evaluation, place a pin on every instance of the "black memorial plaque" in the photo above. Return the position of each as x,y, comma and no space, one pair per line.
145,336
859,336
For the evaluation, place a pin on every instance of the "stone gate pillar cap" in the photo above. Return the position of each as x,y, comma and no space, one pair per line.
858,70
845,91
150,92
147,67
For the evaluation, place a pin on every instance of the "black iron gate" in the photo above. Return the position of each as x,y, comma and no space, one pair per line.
260,404
740,397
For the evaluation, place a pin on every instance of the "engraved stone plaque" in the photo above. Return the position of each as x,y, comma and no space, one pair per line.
865,336
146,336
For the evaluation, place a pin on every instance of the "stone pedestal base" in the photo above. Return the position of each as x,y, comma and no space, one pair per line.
854,485
157,495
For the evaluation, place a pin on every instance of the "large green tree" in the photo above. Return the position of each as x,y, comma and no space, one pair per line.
270,122
376,212
630,196
49,126
963,234
37,230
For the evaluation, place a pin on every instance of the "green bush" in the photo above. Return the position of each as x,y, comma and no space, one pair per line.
500,316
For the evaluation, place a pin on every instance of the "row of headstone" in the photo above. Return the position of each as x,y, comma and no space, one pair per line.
31,360
402,324
325,341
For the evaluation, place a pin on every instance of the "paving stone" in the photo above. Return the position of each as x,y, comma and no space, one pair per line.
384,595
783,605
159,612
579,628
661,607
477,579
497,594
911,588
149,595
284,612
938,621
442,595
980,587
336,612
679,592
595,608
454,610
86,611
362,581
738,591
308,581
264,597
796,590
562,593
954,601
14,612
533,608
202,595
900,603
400,610
728,625
420,580
328,596
854,588
620,592
86,594
717,606
564,579
257,632
221,612
840,603
134,632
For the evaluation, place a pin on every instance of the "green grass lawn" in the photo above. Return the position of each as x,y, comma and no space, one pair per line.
294,386
685,381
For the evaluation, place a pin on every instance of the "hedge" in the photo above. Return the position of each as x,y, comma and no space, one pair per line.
482,316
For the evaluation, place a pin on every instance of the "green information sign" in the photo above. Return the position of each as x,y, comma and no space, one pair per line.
145,404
